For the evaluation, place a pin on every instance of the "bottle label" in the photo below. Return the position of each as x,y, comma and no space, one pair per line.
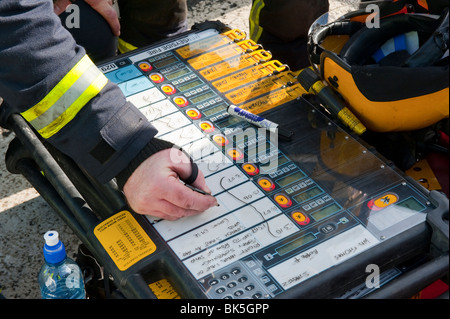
75,277
124,240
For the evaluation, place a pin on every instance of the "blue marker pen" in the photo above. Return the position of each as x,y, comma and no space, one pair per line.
259,121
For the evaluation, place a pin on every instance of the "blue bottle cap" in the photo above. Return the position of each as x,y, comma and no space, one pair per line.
54,250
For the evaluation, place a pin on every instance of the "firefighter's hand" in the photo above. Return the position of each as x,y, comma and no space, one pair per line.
59,6
155,189
104,7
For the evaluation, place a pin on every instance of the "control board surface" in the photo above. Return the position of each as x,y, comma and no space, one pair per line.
288,210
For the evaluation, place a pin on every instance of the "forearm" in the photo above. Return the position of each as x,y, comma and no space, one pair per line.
99,129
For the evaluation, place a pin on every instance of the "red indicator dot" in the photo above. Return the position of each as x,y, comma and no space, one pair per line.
168,89
207,127
220,140
181,101
250,169
145,66
235,154
283,200
156,77
193,114
266,184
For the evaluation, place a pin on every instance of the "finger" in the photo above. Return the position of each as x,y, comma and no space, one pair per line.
183,166
108,13
176,212
180,163
60,6
169,211
186,198
200,182
111,17
157,214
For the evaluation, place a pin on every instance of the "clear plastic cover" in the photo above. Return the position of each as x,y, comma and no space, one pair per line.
287,212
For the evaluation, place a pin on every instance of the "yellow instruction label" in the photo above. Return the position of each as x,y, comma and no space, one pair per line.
248,75
239,78
124,240
254,89
273,99
202,46
209,58
260,87
226,67
234,64
164,290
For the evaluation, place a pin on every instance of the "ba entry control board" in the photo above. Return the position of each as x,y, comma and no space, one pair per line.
289,211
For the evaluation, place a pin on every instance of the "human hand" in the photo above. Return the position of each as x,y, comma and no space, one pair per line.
103,7
155,189
107,11
59,6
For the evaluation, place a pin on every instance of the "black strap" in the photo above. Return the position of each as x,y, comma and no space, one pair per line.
191,179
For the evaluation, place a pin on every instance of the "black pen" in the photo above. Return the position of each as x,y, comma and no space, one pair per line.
198,190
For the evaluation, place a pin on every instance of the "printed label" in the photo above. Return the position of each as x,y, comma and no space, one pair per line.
209,58
202,46
108,67
325,255
164,290
239,78
124,240
271,100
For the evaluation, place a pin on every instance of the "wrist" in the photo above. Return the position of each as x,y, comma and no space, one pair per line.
154,146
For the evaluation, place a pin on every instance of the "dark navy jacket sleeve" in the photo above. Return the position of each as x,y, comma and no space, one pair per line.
36,52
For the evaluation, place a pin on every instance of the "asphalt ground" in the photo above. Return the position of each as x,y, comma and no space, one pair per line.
25,216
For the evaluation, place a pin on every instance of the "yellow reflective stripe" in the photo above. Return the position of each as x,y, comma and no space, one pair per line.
83,82
67,99
55,94
255,29
124,46
54,127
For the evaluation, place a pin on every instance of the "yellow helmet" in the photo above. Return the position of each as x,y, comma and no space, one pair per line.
406,88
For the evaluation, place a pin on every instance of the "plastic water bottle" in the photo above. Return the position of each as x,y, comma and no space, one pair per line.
60,277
